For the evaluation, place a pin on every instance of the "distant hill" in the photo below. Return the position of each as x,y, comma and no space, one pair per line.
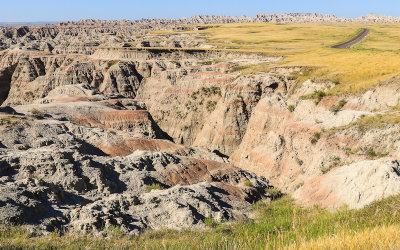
9,24
218,19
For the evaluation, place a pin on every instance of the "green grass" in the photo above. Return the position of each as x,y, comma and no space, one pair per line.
154,186
276,225
317,96
210,222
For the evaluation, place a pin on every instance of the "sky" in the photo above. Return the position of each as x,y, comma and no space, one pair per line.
62,10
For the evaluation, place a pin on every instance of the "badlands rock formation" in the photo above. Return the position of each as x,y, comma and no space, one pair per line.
214,19
104,130
57,172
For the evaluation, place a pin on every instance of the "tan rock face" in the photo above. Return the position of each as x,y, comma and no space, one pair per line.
291,148
355,185
34,77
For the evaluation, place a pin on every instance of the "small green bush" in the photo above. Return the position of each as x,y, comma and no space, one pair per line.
111,63
299,162
274,193
154,186
38,114
210,106
29,94
315,138
299,185
291,108
325,170
213,90
337,108
317,96
248,184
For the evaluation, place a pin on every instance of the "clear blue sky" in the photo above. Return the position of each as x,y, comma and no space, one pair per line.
59,10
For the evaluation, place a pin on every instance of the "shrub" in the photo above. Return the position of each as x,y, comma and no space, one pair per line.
29,94
38,114
337,108
348,151
299,185
299,162
248,184
274,193
291,108
111,63
317,96
315,138
210,106
154,186
194,95
371,153
325,170
213,90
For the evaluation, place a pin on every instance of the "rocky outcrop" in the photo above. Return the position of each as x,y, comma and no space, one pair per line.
215,19
56,172
355,185
292,140
32,77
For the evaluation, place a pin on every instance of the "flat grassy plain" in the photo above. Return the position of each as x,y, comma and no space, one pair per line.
278,225
372,61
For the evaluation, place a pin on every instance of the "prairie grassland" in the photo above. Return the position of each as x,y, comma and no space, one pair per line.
385,237
374,60
278,225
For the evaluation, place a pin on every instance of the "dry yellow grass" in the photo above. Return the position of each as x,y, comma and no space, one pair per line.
372,61
377,238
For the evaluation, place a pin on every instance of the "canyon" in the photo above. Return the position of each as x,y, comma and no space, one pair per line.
107,123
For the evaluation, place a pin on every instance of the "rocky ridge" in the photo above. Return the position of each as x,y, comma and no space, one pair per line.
218,19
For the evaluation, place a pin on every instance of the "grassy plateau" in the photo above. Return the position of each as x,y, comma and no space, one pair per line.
373,60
